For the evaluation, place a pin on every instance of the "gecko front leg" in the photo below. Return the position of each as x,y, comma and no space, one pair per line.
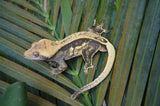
57,67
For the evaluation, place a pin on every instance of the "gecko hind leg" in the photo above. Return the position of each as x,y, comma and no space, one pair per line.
87,55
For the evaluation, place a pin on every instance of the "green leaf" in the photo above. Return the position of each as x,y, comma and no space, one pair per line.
66,15
55,12
115,36
125,52
24,23
133,30
15,95
107,11
104,4
119,22
144,54
153,88
27,5
76,16
18,31
102,88
14,39
18,11
37,81
33,100
90,13
118,3
87,21
16,53
60,25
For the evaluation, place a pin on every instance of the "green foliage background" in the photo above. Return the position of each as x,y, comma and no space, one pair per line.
134,27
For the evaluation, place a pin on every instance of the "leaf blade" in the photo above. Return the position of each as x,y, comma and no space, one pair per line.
21,12
16,53
126,50
144,54
35,80
153,87
15,94
24,23
66,15
18,31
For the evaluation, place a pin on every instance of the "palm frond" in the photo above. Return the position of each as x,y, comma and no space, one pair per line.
133,29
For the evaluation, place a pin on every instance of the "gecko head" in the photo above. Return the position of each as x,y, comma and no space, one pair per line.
40,50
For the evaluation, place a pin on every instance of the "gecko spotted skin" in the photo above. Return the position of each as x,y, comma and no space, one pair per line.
85,44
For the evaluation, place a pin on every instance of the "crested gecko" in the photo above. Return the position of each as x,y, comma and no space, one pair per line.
84,43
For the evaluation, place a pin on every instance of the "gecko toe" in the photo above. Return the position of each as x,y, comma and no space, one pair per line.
50,74
53,74
85,74
94,68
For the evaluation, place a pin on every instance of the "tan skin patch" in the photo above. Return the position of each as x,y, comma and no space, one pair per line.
78,49
71,51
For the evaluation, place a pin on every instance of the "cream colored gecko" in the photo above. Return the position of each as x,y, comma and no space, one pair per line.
85,44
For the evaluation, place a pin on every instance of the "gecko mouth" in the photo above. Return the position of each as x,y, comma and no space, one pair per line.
34,58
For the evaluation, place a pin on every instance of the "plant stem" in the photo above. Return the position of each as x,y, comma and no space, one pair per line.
87,99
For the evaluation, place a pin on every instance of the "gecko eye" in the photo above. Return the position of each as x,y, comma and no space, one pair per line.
36,54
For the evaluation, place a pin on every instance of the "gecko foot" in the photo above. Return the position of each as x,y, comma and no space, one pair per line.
94,68
87,68
51,74
85,74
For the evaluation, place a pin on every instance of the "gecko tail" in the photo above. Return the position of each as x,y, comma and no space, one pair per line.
103,75
75,94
